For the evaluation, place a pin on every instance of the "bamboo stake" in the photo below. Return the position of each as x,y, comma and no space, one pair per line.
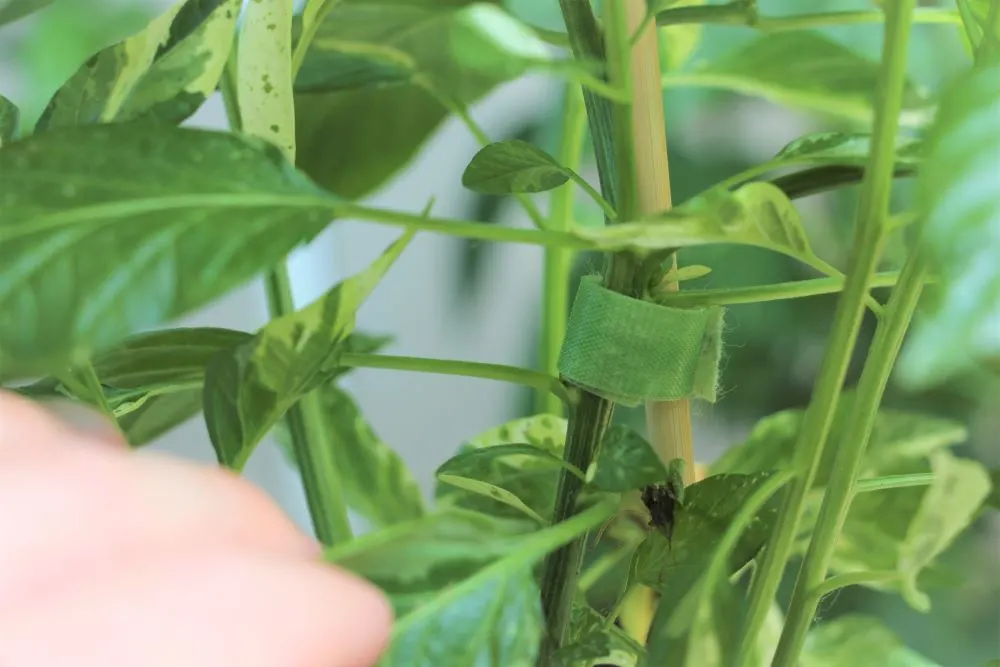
668,422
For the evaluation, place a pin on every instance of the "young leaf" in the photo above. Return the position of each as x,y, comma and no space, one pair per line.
472,460
177,216
757,214
13,10
99,90
530,478
188,67
856,639
487,39
264,84
488,490
948,507
957,197
249,388
626,461
801,69
377,485
8,120
699,526
492,618
838,148
591,641
507,167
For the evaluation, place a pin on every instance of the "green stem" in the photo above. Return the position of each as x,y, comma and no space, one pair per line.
310,442
795,289
740,14
591,415
82,382
474,369
308,34
893,482
559,261
609,212
866,248
851,449
852,579
306,427
470,123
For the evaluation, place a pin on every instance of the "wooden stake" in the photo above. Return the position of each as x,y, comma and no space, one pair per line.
668,422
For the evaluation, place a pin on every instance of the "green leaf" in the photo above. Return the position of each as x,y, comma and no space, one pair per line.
877,524
626,461
159,414
700,619
249,388
898,438
8,120
13,10
414,560
488,490
530,478
487,39
757,214
377,485
99,90
994,499
857,639
507,167
178,217
591,641
839,148
188,67
375,108
805,70
472,460
493,618
948,507
264,84
678,43
957,197
699,525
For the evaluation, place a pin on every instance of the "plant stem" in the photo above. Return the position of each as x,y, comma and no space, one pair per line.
313,450
320,477
840,490
793,289
82,382
741,14
559,261
513,374
893,482
852,579
590,417
866,249
470,123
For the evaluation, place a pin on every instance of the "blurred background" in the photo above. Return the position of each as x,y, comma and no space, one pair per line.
451,298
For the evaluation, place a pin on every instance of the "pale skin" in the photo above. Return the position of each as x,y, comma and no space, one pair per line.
109,558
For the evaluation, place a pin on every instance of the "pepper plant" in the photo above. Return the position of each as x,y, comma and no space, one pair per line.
115,220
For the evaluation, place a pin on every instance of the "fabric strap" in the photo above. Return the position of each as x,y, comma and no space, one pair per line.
629,351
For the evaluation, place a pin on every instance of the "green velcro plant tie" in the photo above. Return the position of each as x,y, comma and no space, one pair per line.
629,351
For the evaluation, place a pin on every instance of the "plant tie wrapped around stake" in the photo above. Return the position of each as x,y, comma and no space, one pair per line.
629,351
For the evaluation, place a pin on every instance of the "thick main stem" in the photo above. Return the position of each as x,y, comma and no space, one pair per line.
866,248
850,452
559,261
591,415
